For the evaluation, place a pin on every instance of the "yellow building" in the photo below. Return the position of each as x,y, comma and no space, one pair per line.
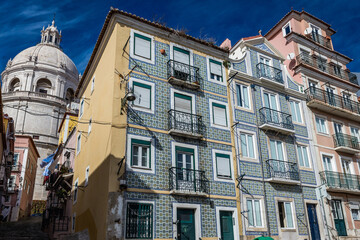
162,165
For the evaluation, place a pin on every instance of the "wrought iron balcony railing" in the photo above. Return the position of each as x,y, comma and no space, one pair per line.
186,74
322,65
269,72
340,180
282,169
345,140
186,123
323,41
188,180
332,99
275,118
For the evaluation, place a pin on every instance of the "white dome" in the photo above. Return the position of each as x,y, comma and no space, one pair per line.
47,54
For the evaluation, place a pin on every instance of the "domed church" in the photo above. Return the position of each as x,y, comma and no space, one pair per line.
38,86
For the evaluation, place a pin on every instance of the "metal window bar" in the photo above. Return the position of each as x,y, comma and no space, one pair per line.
188,180
340,180
182,71
269,72
316,62
332,99
283,169
61,224
323,41
139,221
186,122
345,140
276,118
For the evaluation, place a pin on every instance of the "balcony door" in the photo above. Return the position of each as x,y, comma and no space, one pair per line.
338,216
315,33
330,96
270,102
355,137
331,175
185,175
183,118
277,163
182,63
348,181
338,129
265,69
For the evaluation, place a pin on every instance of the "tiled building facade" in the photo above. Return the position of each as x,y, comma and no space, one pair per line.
276,168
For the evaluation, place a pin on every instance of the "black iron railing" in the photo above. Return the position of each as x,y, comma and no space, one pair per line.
283,169
275,118
184,72
332,99
323,41
188,180
186,122
340,180
269,72
322,65
61,224
16,167
345,140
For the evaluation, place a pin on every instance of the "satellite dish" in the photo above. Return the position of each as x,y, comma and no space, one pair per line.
290,56
308,31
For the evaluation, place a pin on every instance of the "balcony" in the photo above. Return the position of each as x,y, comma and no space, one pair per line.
333,103
183,75
269,74
16,168
274,120
13,188
283,172
41,97
188,182
331,69
186,124
323,41
346,143
341,182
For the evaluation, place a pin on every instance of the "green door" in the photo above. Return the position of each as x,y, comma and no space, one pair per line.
186,224
338,217
226,225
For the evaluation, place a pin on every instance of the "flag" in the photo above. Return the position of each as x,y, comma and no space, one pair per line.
47,160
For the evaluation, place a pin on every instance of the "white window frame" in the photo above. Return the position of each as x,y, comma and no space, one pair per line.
78,143
223,179
249,95
351,164
193,99
271,63
308,155
333,161
90,125
300,110
326,125
173,153
235,219
197,216
222,70
254,144
271,93
261,211
151,169
212,124
76,191
132,55
152,105
87,173
18,159
313,25
81,111
288,24
92,84
293,211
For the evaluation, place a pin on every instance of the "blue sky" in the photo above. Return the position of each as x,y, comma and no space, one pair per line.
81,21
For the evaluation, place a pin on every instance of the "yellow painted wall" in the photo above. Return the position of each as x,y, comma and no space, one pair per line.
71,123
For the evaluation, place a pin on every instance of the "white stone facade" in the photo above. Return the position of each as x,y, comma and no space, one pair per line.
37,86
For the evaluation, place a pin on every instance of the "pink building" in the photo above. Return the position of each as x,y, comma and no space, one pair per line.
334,110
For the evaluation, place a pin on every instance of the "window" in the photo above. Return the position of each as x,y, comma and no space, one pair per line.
296,111
140,153
181,56
312,87
219,115
243,96
254,212
321,125
92,84
139,221
337,69
73,222
215,70
143,95
87,171
327,161
276,150
286,215
142,46
81,107
25,184
51,38
11,182
16,159
355,212
89,128
28,190
286,29
303,156
78,143
223,165
76,190
321,63
247,145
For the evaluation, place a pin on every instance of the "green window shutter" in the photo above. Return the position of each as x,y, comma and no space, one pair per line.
182,96
181,50
140,142
184,149
141,85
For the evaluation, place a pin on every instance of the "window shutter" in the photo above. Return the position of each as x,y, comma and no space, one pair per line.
182,103
223,165
219,112
142,46
215,67
181,55
143,95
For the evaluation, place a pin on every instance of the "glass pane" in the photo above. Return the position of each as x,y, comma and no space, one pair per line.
280,150
135,157
266,100
244,149
293,113
289,217
339,209
144,157
239,95
273,149
245,97
298,114
257,213
250,213
301,158
306,158
251,146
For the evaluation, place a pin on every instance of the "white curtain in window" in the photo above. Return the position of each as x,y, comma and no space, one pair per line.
142,96
250,213
215,68
219,116
223,166
142,47
289,217
257,212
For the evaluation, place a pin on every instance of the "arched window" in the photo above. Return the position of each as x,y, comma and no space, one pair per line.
14,85
69,97
43,86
